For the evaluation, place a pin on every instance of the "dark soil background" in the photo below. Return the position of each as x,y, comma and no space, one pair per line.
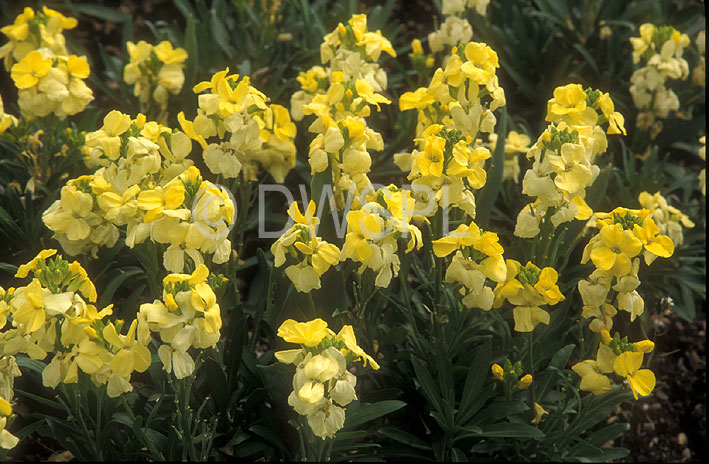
669,426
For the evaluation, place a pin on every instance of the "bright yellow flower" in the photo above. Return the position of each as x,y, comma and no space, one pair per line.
540,412
365,90
463,236
592,379
346,334
649,235
615,249
569,100
304,333
641,381
546,286
416,100
525,382
24,269
30,70
572,171
497,371
361,228
528,317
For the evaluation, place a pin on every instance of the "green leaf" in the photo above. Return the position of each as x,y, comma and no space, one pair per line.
110,289
487,196
192,50
473,397
370,411
511,430
106,13
404,437
428,386
269,435
219,34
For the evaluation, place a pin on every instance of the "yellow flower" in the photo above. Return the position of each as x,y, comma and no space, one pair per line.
641,381
416,47
131,355
304,333
592,379
168,55
361,227
572,171
78,67
527,317
525,382
327,420
644,346
463,236
24,269
539,413
346,334
30,69
654,243
569,100
614,249
29,307
365,90
546,286
615,119
416,100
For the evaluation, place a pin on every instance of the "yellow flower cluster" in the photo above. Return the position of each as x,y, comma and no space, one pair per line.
478,256
418,58
147,184
155,70
451,7
700,71
668,219
49,83
527,288
372,240
624,234
250,130
452,110
187,317
8,372
453,31
515,143
33,31
48,79
564,157
312,255
374,229
617,356
322,386
512,374
660,48
341,97
54,313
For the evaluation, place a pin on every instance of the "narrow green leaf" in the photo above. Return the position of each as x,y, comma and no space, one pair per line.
370,411
404,437
487,196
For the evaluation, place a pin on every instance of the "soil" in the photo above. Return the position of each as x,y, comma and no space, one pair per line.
671,425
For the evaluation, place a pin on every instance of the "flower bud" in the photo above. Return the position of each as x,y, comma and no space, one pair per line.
525,381
498,372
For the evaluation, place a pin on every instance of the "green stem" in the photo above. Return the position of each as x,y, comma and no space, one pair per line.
531,365
156,454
